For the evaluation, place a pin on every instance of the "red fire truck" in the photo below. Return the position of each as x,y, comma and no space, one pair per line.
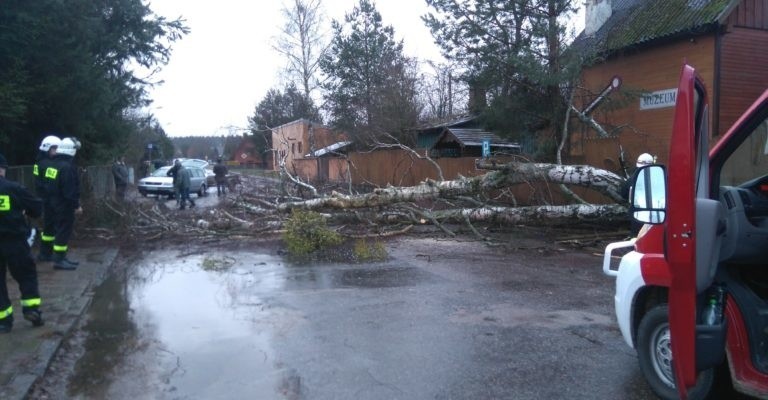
692,295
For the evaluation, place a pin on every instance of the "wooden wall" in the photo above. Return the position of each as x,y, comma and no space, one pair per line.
400,168
750,14
293,140
744,72
639,131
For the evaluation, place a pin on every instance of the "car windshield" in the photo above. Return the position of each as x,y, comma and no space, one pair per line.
162,171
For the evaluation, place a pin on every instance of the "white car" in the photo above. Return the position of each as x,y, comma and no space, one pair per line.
160,183
205,165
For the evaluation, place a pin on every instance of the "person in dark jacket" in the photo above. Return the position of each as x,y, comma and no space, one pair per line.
220,172
43,179
174,173
17,203
120,175
65,199
184,181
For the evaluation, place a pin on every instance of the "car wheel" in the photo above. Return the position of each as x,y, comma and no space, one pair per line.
654,351
203,190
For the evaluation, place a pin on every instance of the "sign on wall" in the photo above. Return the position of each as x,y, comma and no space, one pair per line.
486,148
658,99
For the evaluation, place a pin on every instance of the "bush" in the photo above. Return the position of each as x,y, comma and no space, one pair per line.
369,252
306,232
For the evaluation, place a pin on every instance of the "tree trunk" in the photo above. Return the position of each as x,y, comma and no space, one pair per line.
502,176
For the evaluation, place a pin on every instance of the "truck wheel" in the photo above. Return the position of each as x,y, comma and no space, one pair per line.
654,352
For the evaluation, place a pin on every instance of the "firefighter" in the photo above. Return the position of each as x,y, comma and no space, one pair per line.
43,181
626,190
16,202
65,201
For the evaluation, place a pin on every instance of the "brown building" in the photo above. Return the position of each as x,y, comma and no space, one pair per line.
297,140
644,43
247,154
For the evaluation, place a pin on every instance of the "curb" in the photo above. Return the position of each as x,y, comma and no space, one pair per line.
27,352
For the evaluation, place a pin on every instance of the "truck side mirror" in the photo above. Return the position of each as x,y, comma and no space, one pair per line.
649,195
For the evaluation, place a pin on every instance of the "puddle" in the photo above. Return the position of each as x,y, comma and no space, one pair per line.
196,324
367,277
183,327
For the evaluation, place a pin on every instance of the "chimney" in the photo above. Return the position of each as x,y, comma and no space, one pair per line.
595,15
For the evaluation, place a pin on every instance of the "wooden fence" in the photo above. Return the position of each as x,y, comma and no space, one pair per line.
402,168
96,182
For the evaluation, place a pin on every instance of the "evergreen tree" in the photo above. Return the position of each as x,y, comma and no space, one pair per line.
66,68
370,86
513,58
278,108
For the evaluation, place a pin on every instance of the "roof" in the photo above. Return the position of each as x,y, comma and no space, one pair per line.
640,22
476,137
458,122
299,121
328,149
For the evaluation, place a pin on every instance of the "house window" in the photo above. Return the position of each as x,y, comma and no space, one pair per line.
293,149
299,147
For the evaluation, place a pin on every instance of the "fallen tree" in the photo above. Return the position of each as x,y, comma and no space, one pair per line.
258,206
502,176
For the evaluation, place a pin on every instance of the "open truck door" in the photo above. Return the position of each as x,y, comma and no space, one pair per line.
680,228
696,282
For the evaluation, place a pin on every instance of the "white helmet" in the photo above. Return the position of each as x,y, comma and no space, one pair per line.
68,146
644,159
48,142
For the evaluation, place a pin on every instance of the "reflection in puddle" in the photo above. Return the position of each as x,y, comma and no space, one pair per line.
185,328
206,325
201,313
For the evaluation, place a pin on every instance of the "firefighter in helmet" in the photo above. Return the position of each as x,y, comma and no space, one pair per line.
17,203
43,182
626,189
65,201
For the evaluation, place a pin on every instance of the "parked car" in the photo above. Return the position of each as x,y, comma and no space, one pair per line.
159,183
207,167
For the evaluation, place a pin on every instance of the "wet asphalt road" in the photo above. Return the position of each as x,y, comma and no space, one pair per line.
439,320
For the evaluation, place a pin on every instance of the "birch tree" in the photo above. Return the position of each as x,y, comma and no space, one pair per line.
302,42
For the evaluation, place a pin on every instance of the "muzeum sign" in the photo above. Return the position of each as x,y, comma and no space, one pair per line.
658,99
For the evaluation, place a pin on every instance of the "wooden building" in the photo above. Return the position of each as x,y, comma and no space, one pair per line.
644,43
247,154
297,140
462,138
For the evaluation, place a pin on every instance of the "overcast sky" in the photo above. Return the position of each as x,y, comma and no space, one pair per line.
222,69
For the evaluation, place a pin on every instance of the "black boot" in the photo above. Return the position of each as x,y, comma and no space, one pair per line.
60,261
34,316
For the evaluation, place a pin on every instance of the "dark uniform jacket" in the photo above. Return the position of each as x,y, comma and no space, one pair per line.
45,184
65,191
174,172
15,202
220,170
183,178
38,170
